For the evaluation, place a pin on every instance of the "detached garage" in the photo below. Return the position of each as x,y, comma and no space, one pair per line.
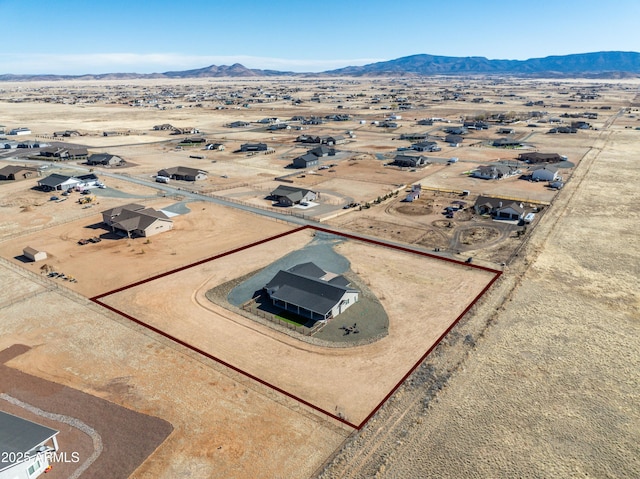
33,254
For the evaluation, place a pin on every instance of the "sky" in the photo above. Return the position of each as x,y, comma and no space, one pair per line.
80,37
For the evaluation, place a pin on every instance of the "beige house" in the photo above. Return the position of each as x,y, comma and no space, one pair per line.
136,220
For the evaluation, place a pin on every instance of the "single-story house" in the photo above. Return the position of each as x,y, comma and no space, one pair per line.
104,159
20,131
305,161
322,151
278,126
309,291
410,161
136,220
14,173
238,124
453,140
506,131
544,173
291,195
414,136
333,140
499,208
66,133
456,130
494,172
214,146
536,157
254,147
308,139
58,182
33,254
183,173
26,447
65,153
506,143
425,146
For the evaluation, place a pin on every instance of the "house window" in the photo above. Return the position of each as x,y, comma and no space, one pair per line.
33,468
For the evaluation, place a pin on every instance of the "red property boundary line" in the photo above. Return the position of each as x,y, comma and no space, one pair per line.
497,274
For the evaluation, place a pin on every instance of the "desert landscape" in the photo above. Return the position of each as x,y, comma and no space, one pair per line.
512,302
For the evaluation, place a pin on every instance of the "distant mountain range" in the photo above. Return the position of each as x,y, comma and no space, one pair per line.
587,65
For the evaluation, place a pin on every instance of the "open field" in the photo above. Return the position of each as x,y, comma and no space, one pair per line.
538,379
349,381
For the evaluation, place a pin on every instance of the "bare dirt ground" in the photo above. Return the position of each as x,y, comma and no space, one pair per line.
207,230
550,388
350,381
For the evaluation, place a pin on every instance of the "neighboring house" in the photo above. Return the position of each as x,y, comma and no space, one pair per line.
20,131
425,146
254,147
506,143
183,173
192,141
456,130
136,220
311,292
306,161
15,173
499,208
26,447
214,146
104,159
291,195
535,157
31,144
66,133
58,182
580,125
322,151
494,172
278,126
33,254
414,136
476,125
453,140
410,161
308,139
65,153
414,194
238,124
333,140
506,131
545,173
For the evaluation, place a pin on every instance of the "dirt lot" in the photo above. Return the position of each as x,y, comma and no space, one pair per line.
336,380
207,230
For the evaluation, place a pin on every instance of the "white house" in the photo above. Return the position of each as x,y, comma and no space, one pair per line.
20,131
545,173
25,446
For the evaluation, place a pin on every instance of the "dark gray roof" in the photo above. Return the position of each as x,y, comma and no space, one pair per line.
181,171
284,190
309,292
19,436
54,180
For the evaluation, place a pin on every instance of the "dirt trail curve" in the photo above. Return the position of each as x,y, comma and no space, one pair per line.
368,452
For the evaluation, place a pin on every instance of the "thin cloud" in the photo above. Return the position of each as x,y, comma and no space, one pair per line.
76,64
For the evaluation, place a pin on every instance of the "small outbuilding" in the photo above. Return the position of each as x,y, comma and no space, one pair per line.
33,254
